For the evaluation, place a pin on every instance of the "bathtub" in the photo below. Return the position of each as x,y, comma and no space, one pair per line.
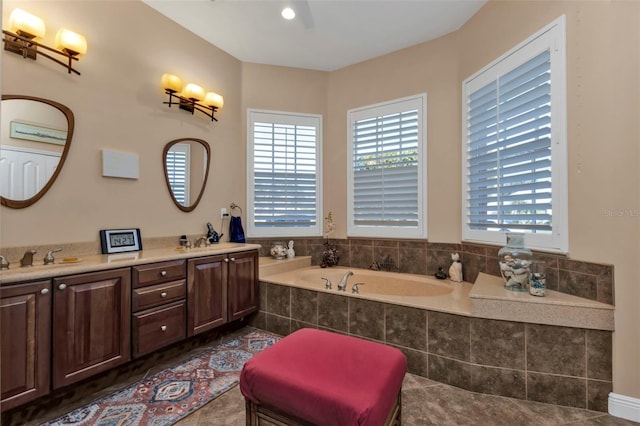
419,291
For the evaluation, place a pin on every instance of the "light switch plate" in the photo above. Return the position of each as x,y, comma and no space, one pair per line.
120,164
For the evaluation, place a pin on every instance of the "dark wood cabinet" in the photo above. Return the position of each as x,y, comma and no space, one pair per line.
59,331
206,293
156,328
243,284
221,289
25,342
91,324
159,305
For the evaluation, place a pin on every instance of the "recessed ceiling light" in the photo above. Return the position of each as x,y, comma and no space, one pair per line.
288,13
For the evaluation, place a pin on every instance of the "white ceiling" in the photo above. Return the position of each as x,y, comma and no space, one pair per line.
325,35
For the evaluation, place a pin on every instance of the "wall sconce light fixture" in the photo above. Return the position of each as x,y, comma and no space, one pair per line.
25,28
192,98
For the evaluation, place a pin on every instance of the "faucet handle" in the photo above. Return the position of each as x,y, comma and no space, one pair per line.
356,289
327,283
4,263
49,259
27,259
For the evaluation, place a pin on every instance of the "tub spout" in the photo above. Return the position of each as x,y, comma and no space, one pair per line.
342,285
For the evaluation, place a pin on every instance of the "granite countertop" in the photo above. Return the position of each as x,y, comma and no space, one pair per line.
489,299
100,262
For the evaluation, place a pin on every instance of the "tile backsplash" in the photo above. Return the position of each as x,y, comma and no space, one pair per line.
585,279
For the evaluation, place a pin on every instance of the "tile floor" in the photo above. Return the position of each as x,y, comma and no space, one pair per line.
424,402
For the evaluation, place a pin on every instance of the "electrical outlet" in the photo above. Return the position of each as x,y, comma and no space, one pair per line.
223,212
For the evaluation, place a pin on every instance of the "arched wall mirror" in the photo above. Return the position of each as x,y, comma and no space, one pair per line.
36,137
186,169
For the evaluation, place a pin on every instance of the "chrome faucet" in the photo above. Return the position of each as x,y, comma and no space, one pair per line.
4,263
356,289
27,259
198,242
49,259
327,283
342,285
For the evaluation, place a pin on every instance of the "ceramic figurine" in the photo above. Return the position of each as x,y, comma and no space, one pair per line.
455,270
290,252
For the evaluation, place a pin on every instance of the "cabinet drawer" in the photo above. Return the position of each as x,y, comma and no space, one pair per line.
159,327
156,295
156,273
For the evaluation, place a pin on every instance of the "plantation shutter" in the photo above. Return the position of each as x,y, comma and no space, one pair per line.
385,170
509,150
177,164
285,169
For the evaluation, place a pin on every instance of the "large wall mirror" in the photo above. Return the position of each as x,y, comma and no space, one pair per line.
36,137
186,169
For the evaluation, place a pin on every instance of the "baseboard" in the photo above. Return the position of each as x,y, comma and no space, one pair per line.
624,407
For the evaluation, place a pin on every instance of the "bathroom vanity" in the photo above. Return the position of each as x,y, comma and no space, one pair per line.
63,323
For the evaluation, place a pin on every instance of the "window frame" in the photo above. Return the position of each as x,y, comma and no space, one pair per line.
293,118
553,38
418,101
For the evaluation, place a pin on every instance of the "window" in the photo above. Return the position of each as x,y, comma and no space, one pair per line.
386,170
284,182
514,145
177,161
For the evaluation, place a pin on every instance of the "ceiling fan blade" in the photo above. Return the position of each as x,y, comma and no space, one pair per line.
304,12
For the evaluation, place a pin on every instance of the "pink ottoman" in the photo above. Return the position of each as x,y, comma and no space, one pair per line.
322,378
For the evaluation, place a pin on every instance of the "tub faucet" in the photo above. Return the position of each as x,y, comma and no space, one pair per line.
27,259
4,263
327,283
342,285
356,289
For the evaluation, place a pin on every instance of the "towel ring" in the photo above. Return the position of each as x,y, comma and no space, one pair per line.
235,206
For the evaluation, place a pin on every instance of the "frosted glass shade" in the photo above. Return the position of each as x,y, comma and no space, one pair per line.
193,91
71,42
214,100
26,24
171,82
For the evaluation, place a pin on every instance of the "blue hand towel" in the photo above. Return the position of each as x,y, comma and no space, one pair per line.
236,233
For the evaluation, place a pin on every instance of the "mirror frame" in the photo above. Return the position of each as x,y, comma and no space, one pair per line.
166,149
20,204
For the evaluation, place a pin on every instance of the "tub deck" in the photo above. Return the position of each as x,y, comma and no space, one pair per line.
487,298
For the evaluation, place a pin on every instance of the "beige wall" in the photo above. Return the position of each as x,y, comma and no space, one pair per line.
120,85
117,102
603,134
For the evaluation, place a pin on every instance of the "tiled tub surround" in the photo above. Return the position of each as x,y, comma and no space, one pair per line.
584,279
561,365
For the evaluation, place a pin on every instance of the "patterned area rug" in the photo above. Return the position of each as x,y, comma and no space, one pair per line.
172,394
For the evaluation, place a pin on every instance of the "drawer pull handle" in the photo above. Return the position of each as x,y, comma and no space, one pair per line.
44,291
163,327
163,273
62,286
226,259
163,294
233,259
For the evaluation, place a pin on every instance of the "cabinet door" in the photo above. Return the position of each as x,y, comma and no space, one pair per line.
91,324
206,293
25,342
243,284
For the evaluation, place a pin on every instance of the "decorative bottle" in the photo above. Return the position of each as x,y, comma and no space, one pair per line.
278,250
515,262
